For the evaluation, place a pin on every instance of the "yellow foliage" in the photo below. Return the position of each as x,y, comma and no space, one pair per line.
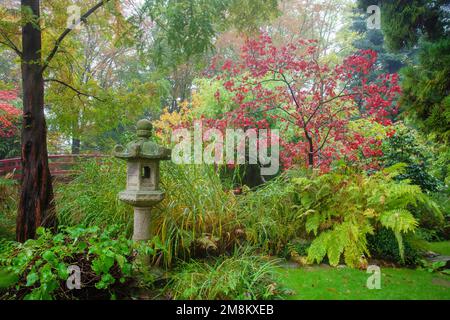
168,120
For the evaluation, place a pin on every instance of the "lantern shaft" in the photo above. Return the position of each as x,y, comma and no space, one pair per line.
141,229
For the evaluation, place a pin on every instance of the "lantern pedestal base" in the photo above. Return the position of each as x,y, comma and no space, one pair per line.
141,230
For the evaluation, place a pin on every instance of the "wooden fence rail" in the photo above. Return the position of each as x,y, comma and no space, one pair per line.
60,164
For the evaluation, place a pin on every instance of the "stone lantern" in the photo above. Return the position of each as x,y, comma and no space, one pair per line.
143,157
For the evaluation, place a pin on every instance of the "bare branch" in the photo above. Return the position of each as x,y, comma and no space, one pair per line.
73,89
324,141
10,44
322,103
291,90
68,30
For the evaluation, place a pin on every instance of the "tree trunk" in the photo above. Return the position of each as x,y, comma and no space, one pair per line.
252,177
76,143
310,151
36,206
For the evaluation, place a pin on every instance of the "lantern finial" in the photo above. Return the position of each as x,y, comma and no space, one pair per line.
144,128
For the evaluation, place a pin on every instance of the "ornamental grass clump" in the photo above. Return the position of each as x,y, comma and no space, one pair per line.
91,197
198,217
270,215
242,276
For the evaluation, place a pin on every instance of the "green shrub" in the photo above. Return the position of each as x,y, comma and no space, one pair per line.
38,269
408,147
383,245
426,234
239,277
442,228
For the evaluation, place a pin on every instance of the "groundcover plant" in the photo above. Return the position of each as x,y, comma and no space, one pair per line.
224,150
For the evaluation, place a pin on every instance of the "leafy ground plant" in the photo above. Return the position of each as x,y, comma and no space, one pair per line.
38,269
242,276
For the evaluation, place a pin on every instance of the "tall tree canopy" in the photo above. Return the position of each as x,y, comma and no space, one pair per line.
405,21
426,90
425,26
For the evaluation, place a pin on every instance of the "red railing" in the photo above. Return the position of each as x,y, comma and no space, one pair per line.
60,165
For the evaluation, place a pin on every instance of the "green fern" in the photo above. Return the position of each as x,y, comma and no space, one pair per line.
341,210
400,221
313,223
318,249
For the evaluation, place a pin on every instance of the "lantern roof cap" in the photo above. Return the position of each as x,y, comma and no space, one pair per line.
142,147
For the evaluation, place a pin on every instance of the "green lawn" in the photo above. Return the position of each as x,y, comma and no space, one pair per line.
440,247
314,283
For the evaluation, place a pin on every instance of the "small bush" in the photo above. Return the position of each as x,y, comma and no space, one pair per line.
38,269
239,277
408,147
441,227
383,245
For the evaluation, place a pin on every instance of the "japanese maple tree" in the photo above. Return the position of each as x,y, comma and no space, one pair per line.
8,113
312,100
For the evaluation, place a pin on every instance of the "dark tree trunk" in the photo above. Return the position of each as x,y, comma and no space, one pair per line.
252,177
310,151
36,206
76,143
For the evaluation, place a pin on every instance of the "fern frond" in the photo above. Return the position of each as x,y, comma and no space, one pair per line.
395,170
400,195
399,220
318,248
313,223
401,248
